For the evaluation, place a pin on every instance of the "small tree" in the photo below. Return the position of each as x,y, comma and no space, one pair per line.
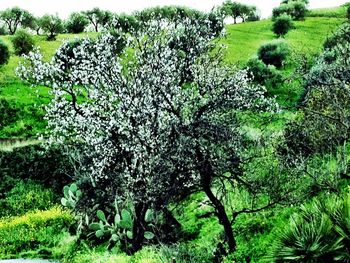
233,9
274,53
22,42
36,25
76,23
146,135
4,53
15,17
51,25
282,25
98,18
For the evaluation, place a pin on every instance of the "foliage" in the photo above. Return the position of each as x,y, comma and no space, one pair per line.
14,17
263,74
71,196
51,25
22,42
4,53
121,229
34,230
282,25
319,233
274,53
238,10
157,166
76,23
49,167
326,99
296,9
25,197
98,18
339,37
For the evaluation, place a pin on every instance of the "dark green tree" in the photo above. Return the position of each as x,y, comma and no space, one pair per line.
22,42
282,25
76,23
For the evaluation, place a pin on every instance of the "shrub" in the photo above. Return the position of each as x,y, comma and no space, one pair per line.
25,197
49,167
3,31
296,9
348,12
263,74
340,36
319,233
22,42
282,25
33,230
4,53
274,53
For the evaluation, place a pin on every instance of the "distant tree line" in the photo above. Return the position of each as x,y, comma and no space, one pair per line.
96,19
238,10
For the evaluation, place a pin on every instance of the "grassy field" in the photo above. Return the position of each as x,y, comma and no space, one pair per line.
243,40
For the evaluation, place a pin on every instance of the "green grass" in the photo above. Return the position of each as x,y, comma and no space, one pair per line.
243,40
339,12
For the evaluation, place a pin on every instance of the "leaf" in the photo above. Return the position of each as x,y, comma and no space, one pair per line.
149,215
126,216
117,219
129,234
148,235
64,201
73,187
115,237
99,233
95,226
65,190
101,215
78,194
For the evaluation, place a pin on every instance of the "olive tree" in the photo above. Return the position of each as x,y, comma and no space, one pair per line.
76,23
51,25
148,136
98,18
15,17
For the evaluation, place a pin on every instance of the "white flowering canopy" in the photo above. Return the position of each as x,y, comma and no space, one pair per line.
134,115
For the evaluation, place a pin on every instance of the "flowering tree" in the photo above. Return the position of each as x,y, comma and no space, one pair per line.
148,135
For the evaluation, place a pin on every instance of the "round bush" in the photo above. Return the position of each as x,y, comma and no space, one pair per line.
274,53
282,25
22,42
4,53
263,74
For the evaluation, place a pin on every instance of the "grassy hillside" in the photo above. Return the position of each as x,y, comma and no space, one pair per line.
243,40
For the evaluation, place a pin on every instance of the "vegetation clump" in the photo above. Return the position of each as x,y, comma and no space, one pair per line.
274,53
4,53
282,25
22,42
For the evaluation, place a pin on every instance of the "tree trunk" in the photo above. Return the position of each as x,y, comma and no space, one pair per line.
138,227
207,173
235,20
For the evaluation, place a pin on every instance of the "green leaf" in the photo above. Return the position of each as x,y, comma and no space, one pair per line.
148,235
117,219
95,226
101,215
129,234
99,233
65,190
115,237
126,216
73,187
149,215
64,201
78,194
